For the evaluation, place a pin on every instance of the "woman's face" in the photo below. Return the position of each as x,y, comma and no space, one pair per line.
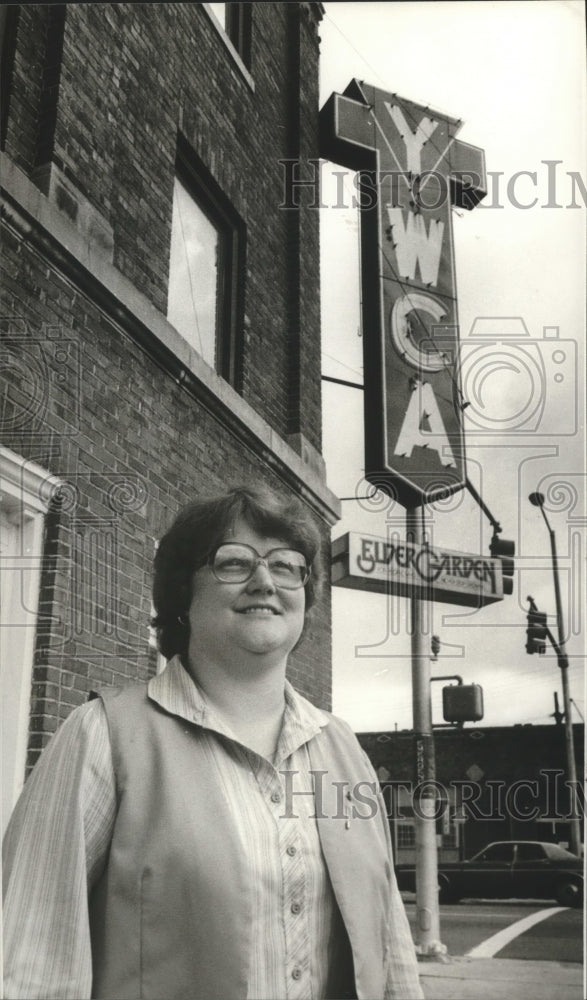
254,617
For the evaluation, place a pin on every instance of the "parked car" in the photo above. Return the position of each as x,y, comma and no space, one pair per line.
505,869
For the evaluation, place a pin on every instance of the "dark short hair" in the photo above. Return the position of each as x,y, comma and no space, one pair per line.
199,528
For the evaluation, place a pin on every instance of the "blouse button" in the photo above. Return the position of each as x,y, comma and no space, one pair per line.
296,907
276,796
296,973
291,850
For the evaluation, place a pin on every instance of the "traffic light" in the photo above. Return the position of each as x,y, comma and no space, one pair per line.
505,550
462,703
536,632
435,645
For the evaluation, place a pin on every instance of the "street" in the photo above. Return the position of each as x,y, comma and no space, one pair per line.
467,925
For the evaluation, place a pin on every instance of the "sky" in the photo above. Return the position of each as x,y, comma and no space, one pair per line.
514,73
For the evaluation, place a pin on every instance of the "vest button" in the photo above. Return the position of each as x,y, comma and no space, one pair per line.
296,907
296,973
291,850
276,796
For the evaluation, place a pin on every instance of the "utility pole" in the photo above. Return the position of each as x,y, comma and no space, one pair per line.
537,500
427,903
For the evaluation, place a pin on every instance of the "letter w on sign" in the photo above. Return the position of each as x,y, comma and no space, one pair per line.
408,154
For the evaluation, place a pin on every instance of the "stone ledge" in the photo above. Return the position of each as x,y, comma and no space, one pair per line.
91,225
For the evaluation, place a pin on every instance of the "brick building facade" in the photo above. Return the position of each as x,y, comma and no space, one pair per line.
141,149
494,783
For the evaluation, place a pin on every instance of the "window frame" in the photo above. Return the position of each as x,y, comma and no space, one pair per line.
236,35
215,205
9,17
26,490
238,18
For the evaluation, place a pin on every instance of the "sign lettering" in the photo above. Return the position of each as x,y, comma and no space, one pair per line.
367,562
414,245
413,141
423,427
412,170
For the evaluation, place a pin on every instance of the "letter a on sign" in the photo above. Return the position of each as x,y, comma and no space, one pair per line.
423,427
408,154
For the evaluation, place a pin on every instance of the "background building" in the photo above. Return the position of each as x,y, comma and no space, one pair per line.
160,321
494,783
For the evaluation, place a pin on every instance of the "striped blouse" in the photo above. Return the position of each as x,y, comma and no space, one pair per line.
58,839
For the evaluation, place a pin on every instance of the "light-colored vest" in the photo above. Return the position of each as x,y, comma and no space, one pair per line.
171,914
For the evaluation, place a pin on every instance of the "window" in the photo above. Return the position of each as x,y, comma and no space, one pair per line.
450,835
238,29
219,11
205,270
24,495
406,835
530,852
8,28
497,854
235,21
196,259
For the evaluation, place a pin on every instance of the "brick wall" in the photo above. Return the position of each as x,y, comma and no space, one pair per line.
26,35
131,79
130,430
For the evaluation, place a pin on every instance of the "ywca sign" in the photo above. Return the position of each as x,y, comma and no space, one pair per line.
393,566
412,172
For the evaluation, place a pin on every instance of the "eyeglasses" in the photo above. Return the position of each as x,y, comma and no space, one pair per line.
235,562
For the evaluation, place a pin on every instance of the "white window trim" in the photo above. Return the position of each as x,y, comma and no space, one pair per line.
25,492
227,42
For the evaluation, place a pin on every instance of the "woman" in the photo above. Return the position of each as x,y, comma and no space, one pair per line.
210,834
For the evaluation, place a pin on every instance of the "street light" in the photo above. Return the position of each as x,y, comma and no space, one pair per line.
537,500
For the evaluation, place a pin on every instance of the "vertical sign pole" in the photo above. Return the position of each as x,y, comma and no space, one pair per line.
427,908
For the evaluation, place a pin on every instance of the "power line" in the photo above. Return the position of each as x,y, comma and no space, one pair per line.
424,104
339,362
354,48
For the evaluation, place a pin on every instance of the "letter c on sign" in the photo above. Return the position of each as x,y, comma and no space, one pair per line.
409,349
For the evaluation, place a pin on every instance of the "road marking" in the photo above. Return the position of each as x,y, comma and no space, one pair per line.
493,944
478,914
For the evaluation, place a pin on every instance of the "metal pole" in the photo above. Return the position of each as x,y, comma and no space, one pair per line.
563,662
427,909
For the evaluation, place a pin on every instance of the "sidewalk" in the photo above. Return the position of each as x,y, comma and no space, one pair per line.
462,978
